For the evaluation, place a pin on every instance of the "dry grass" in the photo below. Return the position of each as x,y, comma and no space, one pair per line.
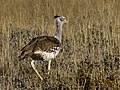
90,58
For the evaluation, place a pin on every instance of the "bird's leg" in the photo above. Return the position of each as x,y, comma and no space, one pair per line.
49,63
33,66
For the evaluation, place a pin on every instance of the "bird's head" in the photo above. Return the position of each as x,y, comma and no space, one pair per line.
60,19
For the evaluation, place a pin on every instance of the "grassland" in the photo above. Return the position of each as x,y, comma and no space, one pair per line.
90,58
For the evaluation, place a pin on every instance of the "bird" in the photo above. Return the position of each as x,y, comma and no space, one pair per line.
44,48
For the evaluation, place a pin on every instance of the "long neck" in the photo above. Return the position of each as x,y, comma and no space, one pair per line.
58,32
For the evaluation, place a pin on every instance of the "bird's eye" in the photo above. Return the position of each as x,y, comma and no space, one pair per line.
62,19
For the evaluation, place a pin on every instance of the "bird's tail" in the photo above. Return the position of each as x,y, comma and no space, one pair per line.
22,56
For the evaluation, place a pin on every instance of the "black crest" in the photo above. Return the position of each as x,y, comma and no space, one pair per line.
56,16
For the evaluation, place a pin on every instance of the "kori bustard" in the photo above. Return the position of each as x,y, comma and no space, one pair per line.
44,47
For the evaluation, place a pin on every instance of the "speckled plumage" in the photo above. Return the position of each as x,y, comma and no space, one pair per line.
44,43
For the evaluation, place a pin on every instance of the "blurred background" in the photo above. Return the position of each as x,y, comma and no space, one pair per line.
90,58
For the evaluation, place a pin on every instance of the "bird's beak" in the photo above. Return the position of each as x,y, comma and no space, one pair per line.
66,21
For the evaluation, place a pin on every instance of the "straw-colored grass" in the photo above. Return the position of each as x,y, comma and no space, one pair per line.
90,58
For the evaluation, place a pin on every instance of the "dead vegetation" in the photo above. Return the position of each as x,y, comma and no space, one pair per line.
90,58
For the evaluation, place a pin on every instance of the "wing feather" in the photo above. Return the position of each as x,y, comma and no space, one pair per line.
43,43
